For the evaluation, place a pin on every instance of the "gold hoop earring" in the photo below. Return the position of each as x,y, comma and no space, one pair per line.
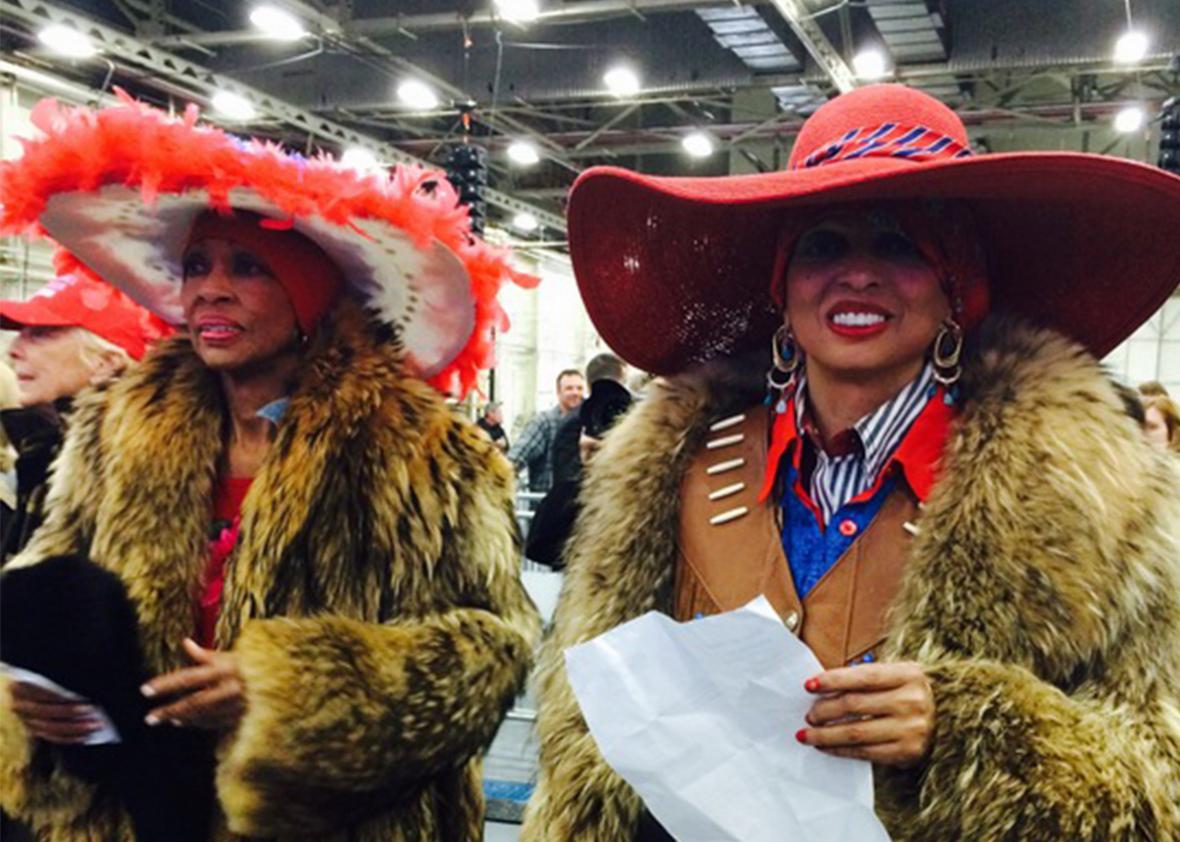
783,350
947,352
780,379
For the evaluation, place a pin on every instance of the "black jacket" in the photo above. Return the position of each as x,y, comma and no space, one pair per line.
36,432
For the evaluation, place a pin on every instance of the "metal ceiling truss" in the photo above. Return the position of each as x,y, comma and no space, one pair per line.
807,30
337,32
203,81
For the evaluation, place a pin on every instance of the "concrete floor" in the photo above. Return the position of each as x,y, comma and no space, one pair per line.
497,832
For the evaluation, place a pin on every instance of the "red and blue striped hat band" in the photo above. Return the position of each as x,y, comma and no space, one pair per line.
888,140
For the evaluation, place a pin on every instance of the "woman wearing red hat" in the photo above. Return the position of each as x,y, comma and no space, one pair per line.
930,477
76,332
322,558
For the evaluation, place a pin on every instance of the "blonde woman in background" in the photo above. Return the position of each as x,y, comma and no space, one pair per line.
76,332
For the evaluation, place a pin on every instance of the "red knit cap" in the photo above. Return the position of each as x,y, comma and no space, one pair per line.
312,280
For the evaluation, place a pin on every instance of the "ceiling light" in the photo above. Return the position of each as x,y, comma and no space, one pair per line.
360,158
417,95
870,64
276,23
698,145
67,41
518,11
621,81
1130,119
1130,48
523,153
233,106
525,221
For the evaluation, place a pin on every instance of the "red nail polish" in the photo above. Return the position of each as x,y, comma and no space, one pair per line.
801,735
811,685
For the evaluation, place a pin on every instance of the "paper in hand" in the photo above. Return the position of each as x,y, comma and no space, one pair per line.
700,717
107,732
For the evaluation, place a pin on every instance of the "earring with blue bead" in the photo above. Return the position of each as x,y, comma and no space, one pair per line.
780,380
946,356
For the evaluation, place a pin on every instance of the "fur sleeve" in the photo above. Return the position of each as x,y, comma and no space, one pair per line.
1041,596
343,716
33,787
1016,758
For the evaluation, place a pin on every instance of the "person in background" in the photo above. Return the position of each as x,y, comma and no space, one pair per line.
9,399
1152,388
534,449
74,333
492,423
577,438
571,443
321,555
1162,422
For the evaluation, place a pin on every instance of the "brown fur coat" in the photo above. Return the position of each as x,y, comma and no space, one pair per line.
1043,595
373,598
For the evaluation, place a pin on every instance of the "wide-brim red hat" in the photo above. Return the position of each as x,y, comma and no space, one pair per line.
678,270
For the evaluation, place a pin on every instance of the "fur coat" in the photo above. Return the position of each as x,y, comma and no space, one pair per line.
373,599
1042,595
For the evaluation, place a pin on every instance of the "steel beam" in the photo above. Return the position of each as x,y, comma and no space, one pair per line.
588,10
807,30
204,81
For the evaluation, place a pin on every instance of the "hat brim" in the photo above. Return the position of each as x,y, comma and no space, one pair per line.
15,315
1083,243
425,292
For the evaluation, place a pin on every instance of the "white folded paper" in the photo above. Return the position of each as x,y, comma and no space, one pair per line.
106,733
700,719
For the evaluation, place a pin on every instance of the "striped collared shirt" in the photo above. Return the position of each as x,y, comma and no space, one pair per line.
836,479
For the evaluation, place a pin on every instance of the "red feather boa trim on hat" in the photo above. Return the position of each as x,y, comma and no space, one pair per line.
136,145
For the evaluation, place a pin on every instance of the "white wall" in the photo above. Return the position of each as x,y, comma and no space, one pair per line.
1153,351
550,332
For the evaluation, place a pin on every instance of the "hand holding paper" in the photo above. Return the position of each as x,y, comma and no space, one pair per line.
700,719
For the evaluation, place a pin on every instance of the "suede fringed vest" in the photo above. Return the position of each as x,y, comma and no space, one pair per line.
731,550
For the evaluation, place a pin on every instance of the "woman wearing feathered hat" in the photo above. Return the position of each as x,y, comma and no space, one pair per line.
323,559
930,477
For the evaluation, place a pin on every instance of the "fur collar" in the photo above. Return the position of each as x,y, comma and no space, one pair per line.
1045,484
353,407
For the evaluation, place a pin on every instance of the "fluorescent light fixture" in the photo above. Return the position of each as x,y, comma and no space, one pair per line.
525,221
277,23
870,64
417,95
518,11
698,145
67,41
233,106
360,158
523,153
1130,119
1130,48
621,81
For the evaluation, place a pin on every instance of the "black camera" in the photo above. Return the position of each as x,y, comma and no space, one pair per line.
608,400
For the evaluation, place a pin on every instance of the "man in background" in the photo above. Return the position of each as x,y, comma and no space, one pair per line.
533,450
576,439
492,423
578,436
